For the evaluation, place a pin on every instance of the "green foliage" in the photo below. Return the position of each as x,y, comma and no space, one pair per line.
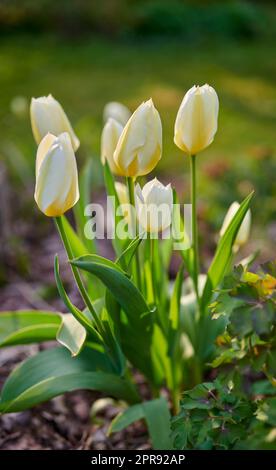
211,417
189,19
247,301
238,409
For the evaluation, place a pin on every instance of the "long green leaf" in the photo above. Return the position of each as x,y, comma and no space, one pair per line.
53,372
126,293
157,416
28,326
223,253
136,329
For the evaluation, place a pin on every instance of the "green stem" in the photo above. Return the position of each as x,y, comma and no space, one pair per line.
194,224
131,195
153,281
67,246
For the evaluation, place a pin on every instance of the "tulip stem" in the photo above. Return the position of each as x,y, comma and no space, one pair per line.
68,249
194,224
131,195
153,280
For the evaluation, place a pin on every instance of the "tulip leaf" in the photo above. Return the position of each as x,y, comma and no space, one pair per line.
136,327
223,254
71,334
115,279
157,416
28,326
54,372
112,343
80,316
125,258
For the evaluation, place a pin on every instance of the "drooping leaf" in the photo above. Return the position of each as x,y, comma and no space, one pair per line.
223,253
54,372
71,334
28,326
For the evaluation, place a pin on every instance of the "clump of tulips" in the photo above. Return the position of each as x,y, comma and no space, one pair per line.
134,316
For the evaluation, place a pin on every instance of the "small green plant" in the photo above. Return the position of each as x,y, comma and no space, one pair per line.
237,410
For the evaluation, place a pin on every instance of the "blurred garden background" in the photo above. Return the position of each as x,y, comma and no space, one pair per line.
87,53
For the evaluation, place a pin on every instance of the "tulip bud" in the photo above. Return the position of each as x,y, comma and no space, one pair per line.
47,116
154,206
56,189
116,111
140,144
196,120
110,136
244,230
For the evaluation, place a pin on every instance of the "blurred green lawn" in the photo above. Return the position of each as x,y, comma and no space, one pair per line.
84,75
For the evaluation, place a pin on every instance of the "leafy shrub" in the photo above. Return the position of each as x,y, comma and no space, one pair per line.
238,409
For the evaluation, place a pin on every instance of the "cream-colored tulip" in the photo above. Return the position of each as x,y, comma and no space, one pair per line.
244,230
56,189
154,206
110,136
140,145
197,119
47,116
117,111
